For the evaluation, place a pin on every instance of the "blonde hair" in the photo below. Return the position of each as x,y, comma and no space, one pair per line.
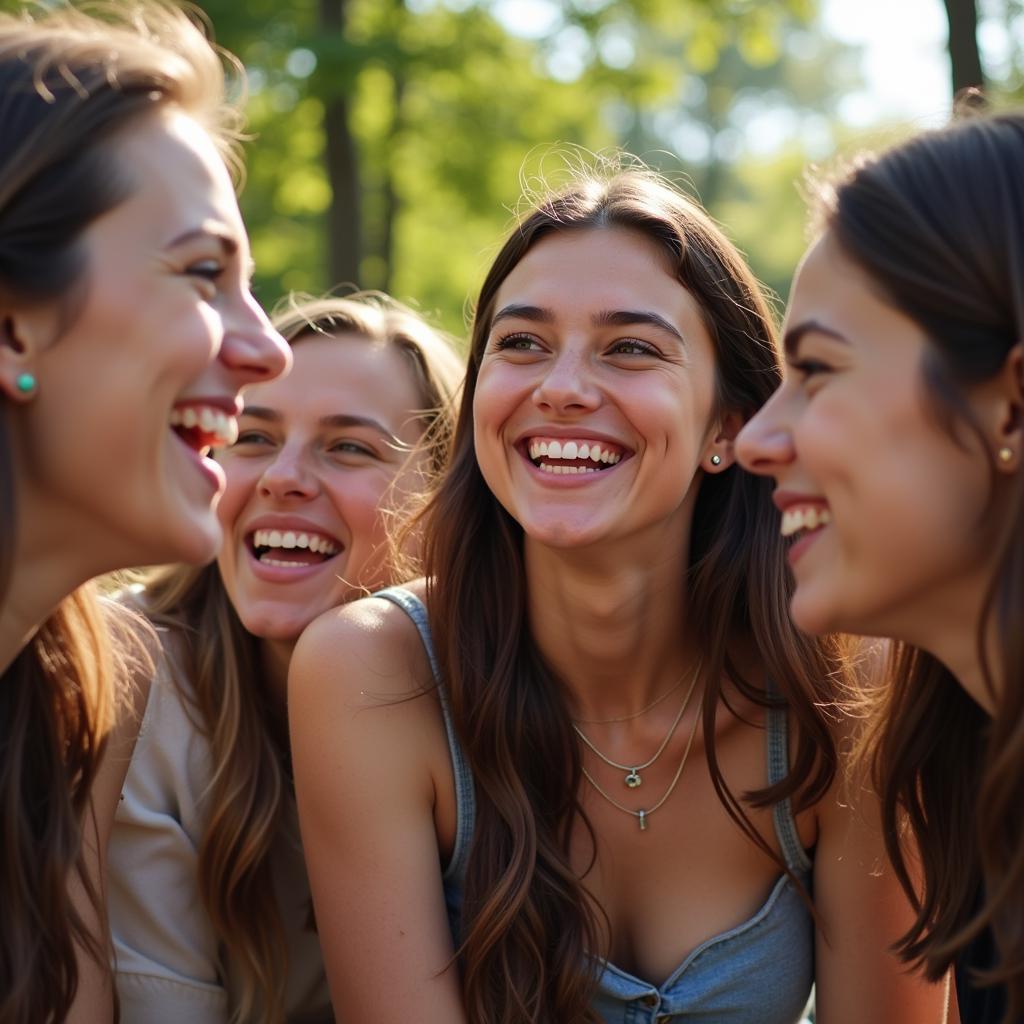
250,794
70,81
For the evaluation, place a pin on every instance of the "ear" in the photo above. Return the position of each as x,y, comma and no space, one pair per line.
1004,401
19,351
721,447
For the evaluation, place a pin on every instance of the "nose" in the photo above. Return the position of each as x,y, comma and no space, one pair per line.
567,386
765,444
252,349
289,475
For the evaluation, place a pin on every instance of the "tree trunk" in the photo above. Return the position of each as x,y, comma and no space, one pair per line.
964,56
344,235
392,202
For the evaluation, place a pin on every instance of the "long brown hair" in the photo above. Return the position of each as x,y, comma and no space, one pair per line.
938,224
69,82
528,924
250,794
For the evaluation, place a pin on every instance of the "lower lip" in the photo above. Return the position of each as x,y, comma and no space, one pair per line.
213,473
281,574
796,552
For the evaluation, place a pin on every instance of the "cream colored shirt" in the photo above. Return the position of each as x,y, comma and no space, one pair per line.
168,970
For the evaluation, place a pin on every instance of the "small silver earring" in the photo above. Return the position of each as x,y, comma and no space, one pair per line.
1005,455
716,460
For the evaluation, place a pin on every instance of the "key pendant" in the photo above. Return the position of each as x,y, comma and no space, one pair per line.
642,815
633,778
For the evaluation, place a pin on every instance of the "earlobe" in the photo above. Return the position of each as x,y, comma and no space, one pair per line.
1009,432
17,356
721,452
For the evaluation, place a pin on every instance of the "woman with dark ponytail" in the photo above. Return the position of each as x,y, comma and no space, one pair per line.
581,772
896,443
126,332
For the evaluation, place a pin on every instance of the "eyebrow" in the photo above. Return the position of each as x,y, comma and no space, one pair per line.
606,318
227,241
335,420
795,334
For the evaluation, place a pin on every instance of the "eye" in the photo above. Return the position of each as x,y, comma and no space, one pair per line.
808,368
252,437
517,343
348,447
633,347
207,269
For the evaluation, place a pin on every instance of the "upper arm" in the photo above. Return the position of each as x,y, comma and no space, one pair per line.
364,783
862,911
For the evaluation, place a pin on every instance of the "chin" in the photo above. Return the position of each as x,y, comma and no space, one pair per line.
811,616
198,542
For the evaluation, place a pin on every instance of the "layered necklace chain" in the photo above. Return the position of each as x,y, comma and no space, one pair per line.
632,778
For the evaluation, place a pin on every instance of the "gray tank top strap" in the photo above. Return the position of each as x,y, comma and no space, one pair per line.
778,768
465,805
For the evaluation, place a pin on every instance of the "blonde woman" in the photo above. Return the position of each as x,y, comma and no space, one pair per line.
127,330
209,899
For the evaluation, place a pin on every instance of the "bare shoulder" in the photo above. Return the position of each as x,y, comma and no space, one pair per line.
365,650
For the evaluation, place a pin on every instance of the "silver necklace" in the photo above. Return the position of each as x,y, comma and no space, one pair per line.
632,777
642,815
636,714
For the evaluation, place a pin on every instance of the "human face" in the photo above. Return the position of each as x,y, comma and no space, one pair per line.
885,507
319,457
597,361
147,377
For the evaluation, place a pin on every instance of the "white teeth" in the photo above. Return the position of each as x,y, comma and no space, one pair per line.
209,420
573,450
546,467
291,539
805,517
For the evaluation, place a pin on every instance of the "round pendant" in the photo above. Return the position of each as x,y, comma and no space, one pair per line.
633,778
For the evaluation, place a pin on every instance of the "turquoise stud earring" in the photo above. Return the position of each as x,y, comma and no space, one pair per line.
26,383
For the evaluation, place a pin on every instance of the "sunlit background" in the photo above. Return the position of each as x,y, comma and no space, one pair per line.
392,138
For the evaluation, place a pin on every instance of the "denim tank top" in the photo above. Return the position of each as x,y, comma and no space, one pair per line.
759,972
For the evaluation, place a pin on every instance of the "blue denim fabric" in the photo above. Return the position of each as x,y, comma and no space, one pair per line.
759,972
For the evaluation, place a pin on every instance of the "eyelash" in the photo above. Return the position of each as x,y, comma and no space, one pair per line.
251,437
810,367
509,341
208,269
646,349
352,448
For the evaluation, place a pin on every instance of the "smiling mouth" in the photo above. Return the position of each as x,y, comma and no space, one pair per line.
292,548
557,456
203,427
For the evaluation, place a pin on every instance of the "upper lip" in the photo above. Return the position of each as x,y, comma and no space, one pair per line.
572,433
787,499
232,404
296,524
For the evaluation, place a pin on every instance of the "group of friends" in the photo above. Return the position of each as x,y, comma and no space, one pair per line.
643,666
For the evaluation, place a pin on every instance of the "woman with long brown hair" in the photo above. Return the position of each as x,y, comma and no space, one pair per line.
127,330
896,444
209,902
578,773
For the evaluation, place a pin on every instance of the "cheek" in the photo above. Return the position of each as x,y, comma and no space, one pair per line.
242,481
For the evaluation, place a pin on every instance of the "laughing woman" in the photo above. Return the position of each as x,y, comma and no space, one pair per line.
124,310
210,906
896,444
578,774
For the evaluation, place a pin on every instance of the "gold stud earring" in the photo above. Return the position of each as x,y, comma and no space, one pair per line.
1005,454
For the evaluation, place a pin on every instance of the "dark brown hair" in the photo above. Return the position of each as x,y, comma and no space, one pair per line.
250,794
528,924
937,223
69,83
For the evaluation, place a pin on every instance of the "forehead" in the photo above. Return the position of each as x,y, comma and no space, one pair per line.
179,180
598,269
343,374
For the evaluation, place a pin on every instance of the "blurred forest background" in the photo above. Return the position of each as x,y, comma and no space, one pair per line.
392,137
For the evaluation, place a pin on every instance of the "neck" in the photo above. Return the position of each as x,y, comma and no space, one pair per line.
613,629
275,656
